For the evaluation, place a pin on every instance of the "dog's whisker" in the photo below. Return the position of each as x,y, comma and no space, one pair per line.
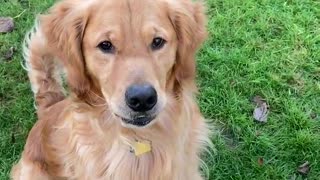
96,95
99,97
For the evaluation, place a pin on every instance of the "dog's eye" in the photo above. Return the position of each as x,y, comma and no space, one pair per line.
106,47
157,43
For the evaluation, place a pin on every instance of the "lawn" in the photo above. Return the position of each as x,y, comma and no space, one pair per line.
267,48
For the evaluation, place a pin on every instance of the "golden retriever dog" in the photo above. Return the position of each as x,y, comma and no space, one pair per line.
114,85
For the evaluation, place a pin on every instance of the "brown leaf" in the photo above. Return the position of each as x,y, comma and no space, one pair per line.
260,161
6,24
304,168
9,54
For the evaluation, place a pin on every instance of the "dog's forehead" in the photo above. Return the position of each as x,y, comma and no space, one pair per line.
123,21
128,12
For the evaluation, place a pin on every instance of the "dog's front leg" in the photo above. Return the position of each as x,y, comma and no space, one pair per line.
28,170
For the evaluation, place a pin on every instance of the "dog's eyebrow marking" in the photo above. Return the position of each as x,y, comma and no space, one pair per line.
130,18
130,12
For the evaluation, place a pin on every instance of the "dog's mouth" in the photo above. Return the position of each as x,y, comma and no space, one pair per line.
138,121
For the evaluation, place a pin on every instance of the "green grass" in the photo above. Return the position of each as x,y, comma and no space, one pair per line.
269,48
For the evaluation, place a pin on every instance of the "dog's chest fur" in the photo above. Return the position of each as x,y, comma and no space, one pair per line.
91,148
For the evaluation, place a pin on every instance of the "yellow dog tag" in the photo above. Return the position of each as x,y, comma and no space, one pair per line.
140,148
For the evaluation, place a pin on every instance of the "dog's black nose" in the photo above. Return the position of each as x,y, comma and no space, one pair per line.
141,97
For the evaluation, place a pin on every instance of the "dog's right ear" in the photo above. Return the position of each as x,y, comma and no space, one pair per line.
63,29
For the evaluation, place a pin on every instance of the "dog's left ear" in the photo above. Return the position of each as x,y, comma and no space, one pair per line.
189,21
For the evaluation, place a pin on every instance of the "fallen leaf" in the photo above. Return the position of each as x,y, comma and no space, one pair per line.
261,112
260,161
304,168
9,54
313,115
6,24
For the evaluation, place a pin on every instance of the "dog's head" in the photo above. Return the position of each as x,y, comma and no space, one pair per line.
132,53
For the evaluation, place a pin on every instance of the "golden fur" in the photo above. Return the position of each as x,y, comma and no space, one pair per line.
79,134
